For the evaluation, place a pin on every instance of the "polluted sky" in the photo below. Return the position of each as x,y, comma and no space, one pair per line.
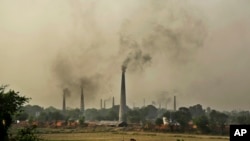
196,50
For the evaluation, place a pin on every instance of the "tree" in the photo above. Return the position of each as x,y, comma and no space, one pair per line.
159,121
149,112
22,116
183,116
81,120
43,117
10,104
202,123
91,114
27,134
218,119
134,116
243,117
196,110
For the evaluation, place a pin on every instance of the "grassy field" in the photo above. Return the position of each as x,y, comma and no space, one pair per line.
126,136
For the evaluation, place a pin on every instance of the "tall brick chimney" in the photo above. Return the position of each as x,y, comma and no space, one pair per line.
113,102
64,101
174,103
82,101
122,111
65,93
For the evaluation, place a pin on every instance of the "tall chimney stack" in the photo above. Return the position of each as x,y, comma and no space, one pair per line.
101,104
122,111
104,105
65,93
113,102
82,101
64,102
174,103
144,102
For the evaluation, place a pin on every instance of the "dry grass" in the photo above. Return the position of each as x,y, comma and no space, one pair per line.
126,136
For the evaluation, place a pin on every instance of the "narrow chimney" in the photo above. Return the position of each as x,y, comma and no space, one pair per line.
122,111
82,101
104,105
65,93
101,103
144,102
64,101
113,102
174,103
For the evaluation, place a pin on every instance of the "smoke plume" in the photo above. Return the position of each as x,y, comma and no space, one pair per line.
165,32
66,92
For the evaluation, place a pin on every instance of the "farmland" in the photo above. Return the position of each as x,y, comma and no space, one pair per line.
126,136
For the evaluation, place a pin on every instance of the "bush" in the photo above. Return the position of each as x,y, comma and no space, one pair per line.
27,134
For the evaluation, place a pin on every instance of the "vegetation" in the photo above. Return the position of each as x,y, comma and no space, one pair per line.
126,136
26,134
10,104
207,121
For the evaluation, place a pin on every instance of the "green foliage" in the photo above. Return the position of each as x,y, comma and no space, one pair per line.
57,115
91,114
27,134
149,112
196,110
10,104
218,119
134,116
243,117
159,121
202,123
183,116
22,116
81,120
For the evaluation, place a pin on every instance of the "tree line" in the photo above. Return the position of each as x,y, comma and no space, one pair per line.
208,121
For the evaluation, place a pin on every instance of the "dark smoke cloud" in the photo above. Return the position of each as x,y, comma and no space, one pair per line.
54,44
161,33
136,58
91,85
178,44
62,71
66,92
164,98
176,33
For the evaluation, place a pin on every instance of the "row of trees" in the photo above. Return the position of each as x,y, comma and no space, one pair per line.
207,120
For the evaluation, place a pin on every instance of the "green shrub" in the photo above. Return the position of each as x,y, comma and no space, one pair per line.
27,134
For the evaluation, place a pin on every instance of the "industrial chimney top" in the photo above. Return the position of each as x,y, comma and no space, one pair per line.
124,68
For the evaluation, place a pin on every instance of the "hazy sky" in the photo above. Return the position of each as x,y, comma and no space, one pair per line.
196,50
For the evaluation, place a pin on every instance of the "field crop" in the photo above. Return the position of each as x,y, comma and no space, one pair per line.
126,136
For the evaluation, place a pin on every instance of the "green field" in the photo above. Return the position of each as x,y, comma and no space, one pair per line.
126,136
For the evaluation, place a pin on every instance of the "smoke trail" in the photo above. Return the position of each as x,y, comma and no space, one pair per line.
91,85
66,92
166,28
136,58
161,32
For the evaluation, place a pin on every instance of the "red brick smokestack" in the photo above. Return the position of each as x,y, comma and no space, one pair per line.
82,101
174,103
122,111
64,101
66,92
104,104
101,103
113,102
